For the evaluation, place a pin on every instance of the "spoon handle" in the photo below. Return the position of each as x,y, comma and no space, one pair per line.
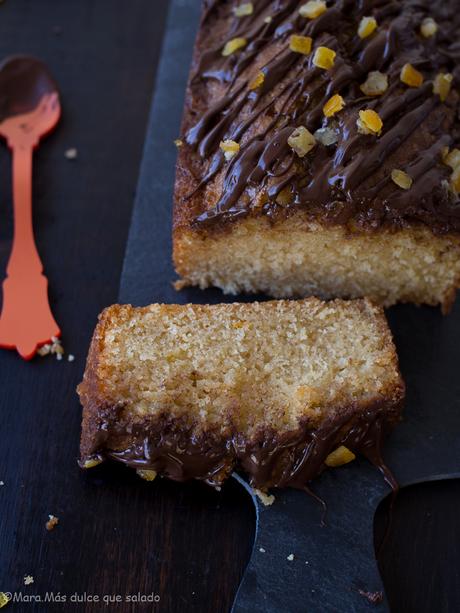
24,256
26,321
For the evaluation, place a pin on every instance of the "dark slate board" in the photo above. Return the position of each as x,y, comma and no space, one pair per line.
331,563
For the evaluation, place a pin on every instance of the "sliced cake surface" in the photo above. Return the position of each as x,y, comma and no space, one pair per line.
270,388
320,151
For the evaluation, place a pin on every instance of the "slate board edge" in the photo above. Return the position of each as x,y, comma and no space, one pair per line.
176,55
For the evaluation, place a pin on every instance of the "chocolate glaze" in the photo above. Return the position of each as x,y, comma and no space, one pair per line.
349,182
24,81
270,459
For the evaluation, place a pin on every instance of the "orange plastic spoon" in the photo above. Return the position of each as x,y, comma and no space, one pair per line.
29,109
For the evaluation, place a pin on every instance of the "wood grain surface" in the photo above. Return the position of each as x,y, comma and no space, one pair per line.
117,536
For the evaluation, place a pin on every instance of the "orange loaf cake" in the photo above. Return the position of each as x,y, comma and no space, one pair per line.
318,152
279,390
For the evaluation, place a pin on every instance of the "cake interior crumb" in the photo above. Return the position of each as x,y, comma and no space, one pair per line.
246,366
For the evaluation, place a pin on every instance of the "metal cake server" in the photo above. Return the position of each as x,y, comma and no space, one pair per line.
29,109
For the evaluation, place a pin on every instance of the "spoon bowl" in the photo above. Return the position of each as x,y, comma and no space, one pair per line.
29,100
24,80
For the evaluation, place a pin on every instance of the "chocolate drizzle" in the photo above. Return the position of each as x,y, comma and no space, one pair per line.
270,459
348,182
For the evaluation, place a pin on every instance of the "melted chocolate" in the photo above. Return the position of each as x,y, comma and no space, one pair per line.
271,459
348,182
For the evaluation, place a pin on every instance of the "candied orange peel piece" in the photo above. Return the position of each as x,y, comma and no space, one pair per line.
301,141
333,105
452,158
313,9
376,84
411,76
324,58
367,26
300,44
244,9
326,136
369,122
342,455
230,148
233,45
429,27
401,178
442,85
147,475
257,81
92,462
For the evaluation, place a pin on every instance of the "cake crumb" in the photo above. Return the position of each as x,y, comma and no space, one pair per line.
71,154
372,597
70,357
28,580
290,557
262,550
54,348
2,483
44,350
265,499
52,522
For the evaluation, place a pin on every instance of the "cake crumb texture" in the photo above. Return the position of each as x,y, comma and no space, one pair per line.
234,372
297,259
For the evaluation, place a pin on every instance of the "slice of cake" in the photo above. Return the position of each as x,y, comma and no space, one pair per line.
278,389
320,151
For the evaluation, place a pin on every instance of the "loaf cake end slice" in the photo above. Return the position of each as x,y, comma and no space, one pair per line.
271,388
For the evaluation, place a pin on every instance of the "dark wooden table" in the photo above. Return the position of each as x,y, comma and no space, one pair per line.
118,536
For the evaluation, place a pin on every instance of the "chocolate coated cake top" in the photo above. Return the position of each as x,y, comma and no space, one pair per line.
346,109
